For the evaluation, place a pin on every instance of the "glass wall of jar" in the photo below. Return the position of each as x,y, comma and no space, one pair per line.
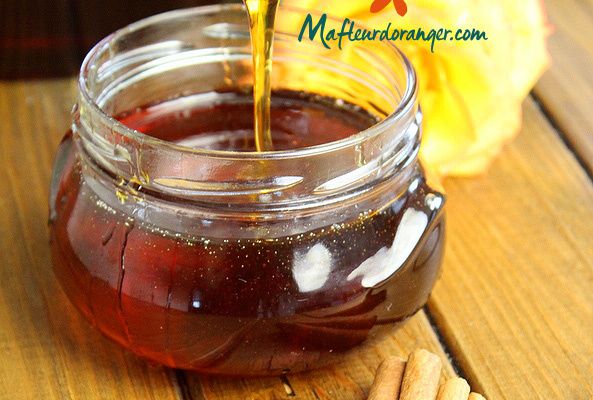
209,256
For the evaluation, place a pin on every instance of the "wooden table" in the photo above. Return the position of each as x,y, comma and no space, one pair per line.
512,312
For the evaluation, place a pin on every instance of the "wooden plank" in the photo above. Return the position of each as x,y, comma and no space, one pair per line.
515,302
36,39
47,350
42,39
566,90
349,380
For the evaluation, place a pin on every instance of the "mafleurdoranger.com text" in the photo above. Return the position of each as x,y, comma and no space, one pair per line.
317,30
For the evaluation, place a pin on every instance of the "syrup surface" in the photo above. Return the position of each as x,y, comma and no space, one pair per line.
298,120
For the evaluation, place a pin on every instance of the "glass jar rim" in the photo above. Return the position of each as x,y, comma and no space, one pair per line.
405,105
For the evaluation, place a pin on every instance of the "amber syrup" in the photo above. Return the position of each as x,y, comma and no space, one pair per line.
231,305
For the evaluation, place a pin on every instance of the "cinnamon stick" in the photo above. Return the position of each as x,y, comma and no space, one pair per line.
476,396
421,377
454,389
388,380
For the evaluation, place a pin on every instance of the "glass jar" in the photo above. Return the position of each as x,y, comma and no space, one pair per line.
236,262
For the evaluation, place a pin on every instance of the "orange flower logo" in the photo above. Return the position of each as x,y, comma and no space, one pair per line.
400,6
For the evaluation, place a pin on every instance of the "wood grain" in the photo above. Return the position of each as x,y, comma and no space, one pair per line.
566,90
43,39
515,302
34,35
47,351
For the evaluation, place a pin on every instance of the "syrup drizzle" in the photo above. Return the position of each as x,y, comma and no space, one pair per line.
262,14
